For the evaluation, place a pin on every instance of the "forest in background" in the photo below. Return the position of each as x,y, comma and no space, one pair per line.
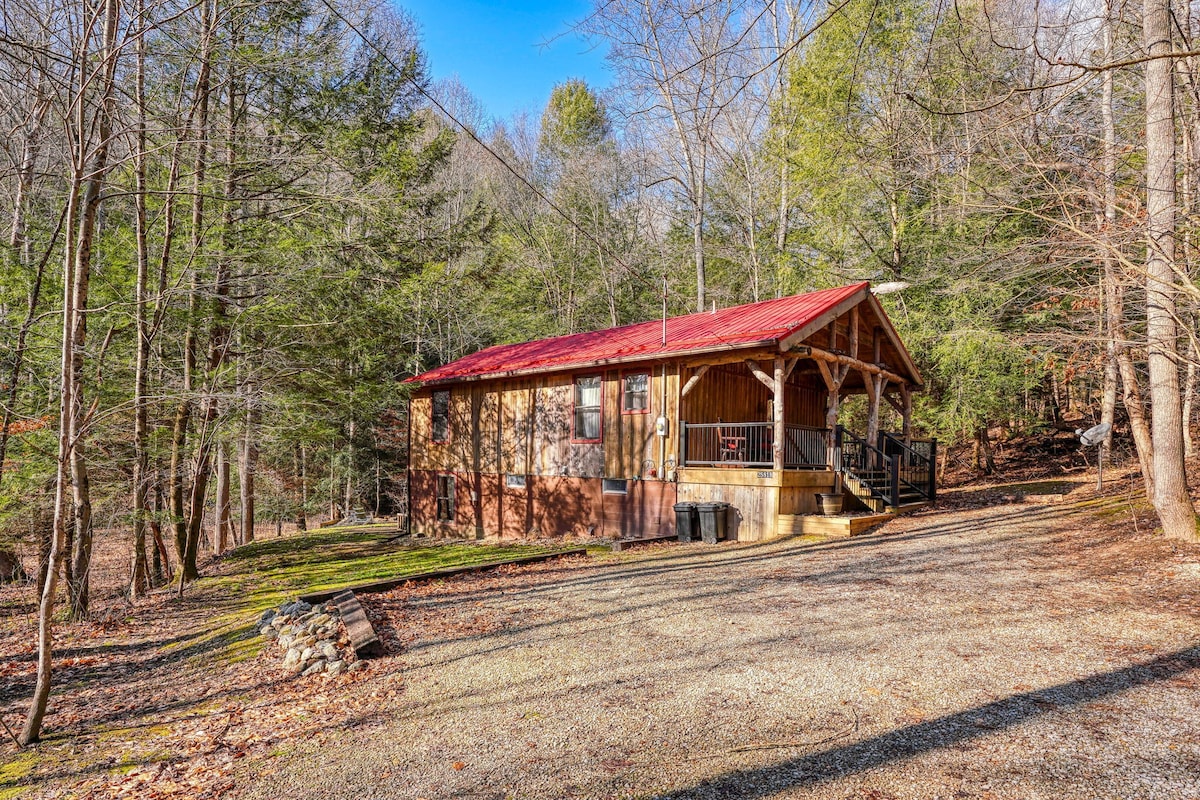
233,228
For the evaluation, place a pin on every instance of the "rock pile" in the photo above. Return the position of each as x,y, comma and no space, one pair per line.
309,635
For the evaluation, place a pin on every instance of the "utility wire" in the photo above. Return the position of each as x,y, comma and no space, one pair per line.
487,148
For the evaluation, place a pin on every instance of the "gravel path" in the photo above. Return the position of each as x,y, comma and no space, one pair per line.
1003,652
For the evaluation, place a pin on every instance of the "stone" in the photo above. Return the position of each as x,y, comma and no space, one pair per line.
357,666
307,654
267,630
267,616
329,651
285,640
314,668
335,667
292,661
297,608
321,619
287,629
306,641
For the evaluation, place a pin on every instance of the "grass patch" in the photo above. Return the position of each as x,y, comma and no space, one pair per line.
13,770
267,573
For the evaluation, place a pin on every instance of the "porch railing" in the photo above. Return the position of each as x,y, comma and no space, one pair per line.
917,462
750,444
896,473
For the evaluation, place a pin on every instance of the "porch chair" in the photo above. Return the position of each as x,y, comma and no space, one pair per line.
732,444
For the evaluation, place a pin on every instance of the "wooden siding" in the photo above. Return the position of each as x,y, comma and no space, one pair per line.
485,506
753,508
732,394
631,446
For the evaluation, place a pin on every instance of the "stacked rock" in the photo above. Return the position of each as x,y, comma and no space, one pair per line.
309,636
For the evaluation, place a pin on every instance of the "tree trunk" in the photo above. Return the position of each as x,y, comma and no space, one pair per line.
139,577
1110,313
176,479
348,496
1189,395
93,182
1171,499
32,729
247,467
224,525
984,457
301,468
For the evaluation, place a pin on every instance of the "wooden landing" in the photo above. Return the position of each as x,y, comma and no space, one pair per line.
839,526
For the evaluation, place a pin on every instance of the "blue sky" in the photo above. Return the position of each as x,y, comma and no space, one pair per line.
495,49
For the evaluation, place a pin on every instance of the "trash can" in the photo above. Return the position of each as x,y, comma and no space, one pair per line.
712,521
686,528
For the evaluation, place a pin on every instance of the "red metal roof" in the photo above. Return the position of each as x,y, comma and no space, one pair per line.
747,325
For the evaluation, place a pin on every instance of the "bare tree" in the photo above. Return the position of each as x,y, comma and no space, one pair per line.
679,63
89,127
1170,497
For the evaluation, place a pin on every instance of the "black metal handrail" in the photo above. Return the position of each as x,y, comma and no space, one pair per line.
751,444
860,459
918,469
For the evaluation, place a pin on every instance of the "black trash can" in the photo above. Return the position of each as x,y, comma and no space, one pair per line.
686,527
712,521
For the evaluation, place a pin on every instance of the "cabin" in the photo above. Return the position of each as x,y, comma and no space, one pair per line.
600,434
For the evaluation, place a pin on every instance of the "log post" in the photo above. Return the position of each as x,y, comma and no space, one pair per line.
853,351
777,447
875,385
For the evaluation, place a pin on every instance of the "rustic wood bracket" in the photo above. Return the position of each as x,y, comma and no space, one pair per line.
695,379
763,377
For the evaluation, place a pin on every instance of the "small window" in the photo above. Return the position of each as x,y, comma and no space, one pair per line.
587,409
615,486
441,416
635,393
445,498
515,481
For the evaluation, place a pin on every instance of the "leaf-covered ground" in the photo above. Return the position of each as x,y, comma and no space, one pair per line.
176,696
160,698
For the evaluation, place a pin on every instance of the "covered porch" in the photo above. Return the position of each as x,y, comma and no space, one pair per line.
763,432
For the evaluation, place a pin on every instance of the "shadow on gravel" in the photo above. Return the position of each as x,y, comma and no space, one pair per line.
913,740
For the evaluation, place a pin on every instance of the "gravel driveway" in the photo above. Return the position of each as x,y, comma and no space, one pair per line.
1003,652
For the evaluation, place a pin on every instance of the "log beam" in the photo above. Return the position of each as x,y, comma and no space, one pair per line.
817,354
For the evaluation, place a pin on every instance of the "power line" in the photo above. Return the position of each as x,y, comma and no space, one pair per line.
486,147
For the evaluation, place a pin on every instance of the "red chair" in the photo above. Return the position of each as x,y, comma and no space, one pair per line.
733,445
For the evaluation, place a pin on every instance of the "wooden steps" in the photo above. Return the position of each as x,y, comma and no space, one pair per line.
869,489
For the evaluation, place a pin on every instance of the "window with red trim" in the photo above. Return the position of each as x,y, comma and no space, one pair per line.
441,416
635,393
587,409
